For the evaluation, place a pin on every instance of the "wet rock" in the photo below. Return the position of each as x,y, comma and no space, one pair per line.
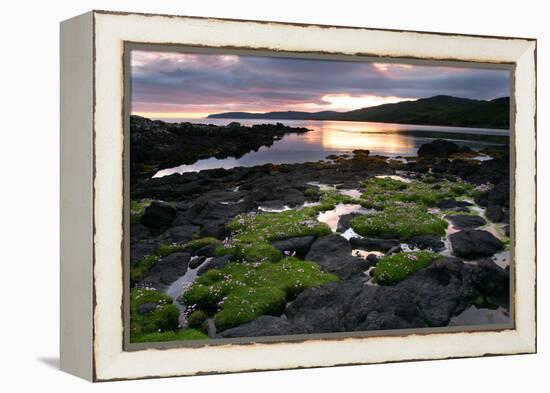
465,221
158,215
373,244
216,229
216,213
490,278
344,222
440,291
448,204
215,263
333,254
168,269
394,250
299,245
266,325
438,148
424,242
380,308
180,233
195,262
207,251
323,309
474,243
373,259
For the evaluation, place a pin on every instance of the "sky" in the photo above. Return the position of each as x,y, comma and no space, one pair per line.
185,85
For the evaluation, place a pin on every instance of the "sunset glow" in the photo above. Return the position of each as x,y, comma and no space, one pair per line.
192,85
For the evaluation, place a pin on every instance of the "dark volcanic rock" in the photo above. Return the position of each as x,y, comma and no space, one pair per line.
344,222
474,244
160,144
139,251
452,204
300,245
333,254
424,242
168,269
429,297
373,259
377,308
438,148
491,279
207,251
373,244
266,325
180,233
158,215
195,262
465,221
440,291
323,309
215,263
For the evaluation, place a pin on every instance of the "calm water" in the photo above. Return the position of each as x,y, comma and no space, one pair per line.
333,137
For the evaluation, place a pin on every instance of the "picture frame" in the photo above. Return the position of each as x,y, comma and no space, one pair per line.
94,194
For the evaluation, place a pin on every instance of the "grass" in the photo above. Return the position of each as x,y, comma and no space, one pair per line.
241,292
401,220
379,192
163,317
140,270
137,207
395,268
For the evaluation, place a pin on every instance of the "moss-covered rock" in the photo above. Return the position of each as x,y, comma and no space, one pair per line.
137,207
197,244
241,292
139,271
151,312
251,233
395,268
400,220
381,192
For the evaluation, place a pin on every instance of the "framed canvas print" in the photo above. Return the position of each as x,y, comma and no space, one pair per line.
245,195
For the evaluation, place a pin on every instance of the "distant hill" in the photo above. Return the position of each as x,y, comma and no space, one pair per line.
438,110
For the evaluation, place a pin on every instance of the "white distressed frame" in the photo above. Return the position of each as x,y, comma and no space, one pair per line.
109,361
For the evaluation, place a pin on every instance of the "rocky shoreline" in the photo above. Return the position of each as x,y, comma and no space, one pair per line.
156,145
352,243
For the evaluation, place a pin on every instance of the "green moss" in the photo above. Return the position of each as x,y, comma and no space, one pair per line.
241,292
162,317
395,268
202,242
251,233
137,207
378,193
178,335
401,220
140,270
197,319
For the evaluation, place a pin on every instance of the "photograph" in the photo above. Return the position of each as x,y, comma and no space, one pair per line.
281,195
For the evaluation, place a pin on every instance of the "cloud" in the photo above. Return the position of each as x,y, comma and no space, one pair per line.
208,83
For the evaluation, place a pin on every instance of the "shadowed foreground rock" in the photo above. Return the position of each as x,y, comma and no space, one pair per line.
333,254
427,298
474,243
